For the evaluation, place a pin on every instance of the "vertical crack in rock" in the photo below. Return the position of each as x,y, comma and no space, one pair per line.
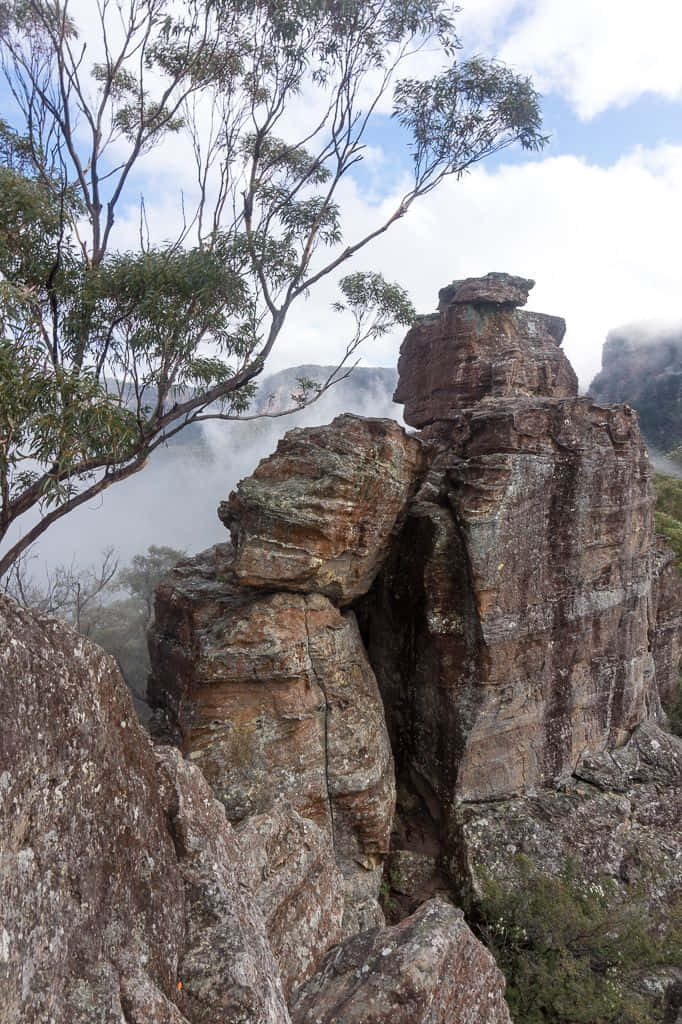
320,684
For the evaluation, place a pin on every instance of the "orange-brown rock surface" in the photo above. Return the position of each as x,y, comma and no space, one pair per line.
479,345
274,697
667,636
510,630
320,513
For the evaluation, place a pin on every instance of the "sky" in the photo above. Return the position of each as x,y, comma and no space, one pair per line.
595,218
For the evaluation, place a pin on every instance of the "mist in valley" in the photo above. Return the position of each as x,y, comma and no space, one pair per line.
173,500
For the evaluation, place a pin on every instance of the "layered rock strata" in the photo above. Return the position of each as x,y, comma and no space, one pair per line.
273,697
478,346
667,635
318,516
510,628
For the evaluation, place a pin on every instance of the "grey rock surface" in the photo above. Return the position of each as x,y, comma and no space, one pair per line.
289,865
428,969
118,875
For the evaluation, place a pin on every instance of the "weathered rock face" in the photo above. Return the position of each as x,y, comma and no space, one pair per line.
79,884
519,624
118,875
319,514
478,346
667,636
290,868
510,628
274,698
227,969
127,895
429,969
621,810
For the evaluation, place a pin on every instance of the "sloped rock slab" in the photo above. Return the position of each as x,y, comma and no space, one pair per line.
118,889
289,865
429,969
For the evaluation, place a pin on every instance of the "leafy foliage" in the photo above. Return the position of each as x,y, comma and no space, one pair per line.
669,512
145,572
106,354
669,524
575,952
86,599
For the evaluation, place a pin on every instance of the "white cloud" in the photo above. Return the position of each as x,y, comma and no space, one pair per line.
597,55
602,244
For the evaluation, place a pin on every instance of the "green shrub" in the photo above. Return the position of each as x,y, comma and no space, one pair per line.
669,524
573,952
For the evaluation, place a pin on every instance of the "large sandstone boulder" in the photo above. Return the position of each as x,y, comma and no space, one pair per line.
479,345
510,629
429,969
117,876
273,697
319,515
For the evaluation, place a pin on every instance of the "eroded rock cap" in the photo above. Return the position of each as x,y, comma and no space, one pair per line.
496,288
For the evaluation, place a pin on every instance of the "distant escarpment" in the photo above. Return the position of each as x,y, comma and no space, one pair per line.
422,677
643,367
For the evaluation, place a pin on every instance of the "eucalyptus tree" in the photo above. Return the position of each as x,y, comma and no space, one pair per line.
107,351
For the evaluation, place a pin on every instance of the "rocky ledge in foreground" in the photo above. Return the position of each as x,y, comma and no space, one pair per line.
127,896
